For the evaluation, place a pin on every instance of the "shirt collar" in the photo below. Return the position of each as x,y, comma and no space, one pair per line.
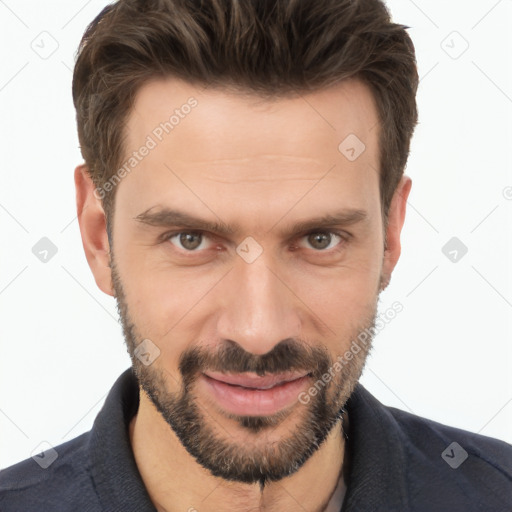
117,480
376,475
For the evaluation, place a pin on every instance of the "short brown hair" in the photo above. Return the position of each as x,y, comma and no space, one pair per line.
271,48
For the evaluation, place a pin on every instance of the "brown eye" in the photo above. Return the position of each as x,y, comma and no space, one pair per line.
189,241
321,241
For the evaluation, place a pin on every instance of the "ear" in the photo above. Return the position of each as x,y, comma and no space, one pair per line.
396,218
93,228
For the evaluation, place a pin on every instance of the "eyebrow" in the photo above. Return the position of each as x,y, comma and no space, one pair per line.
165,217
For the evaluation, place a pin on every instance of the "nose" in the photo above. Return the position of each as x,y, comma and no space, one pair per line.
259,310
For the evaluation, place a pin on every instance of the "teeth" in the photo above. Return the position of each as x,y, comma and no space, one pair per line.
261,388
267,387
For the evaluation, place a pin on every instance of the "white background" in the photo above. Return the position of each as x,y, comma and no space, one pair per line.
447,356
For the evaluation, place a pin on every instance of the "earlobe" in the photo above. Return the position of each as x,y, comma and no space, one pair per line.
396,218
93,229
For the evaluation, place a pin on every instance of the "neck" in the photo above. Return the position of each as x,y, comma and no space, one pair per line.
176,482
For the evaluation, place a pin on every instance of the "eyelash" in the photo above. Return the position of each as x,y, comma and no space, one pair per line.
344,238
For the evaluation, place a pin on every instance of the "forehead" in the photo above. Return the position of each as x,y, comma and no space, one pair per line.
211,147
248,124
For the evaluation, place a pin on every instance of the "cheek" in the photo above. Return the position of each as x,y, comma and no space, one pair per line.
156,309
168,305
158,304
345,289
152,297
344,300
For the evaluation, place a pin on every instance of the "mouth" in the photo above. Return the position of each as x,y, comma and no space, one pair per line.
254,381
249,394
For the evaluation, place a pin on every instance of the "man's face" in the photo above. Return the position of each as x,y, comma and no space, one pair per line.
249,318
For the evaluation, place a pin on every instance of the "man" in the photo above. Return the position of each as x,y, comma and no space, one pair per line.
242,197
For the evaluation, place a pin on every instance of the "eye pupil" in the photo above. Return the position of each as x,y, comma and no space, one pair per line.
324,239
190,240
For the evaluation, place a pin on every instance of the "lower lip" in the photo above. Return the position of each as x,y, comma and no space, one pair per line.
254,402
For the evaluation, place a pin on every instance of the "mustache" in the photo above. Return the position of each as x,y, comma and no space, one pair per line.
230,357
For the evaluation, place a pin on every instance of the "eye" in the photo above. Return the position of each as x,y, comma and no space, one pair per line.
323,240
190,241
196,241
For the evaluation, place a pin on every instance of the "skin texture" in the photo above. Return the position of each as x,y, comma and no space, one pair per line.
264,166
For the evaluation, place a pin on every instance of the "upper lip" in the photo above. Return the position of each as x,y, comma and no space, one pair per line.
252,380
